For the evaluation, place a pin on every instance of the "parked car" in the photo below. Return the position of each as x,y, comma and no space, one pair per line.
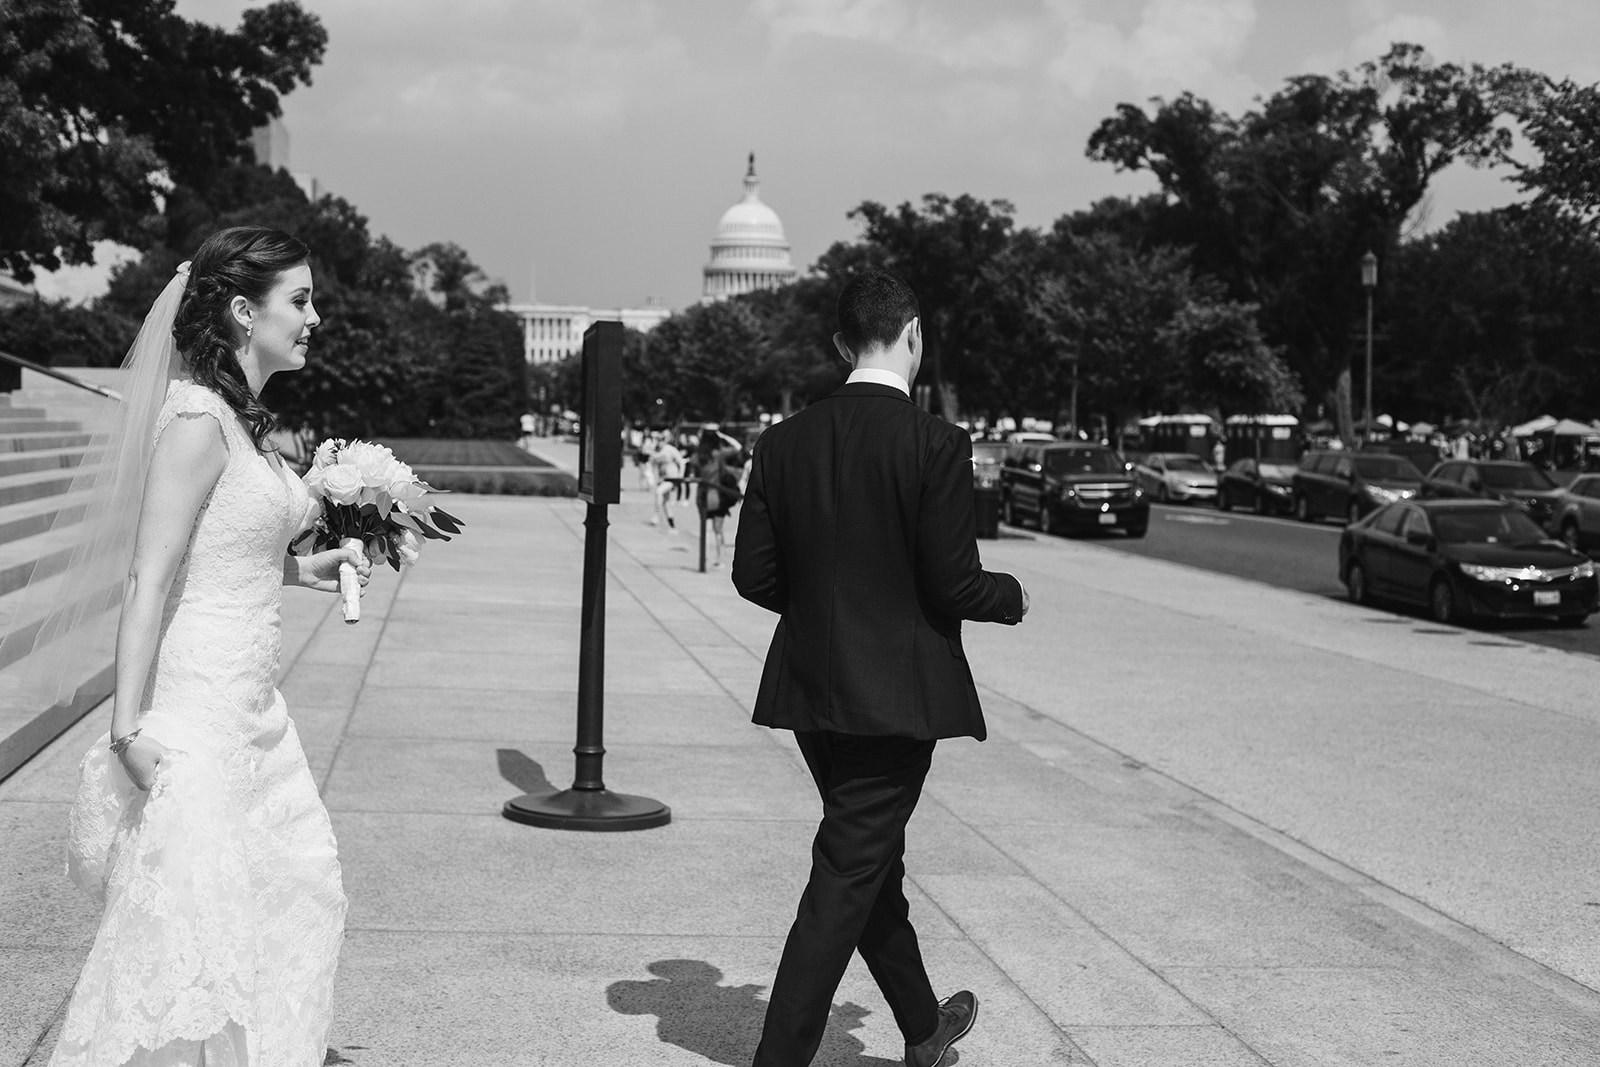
1264,485
1497,479
1464,559
1421,454
1348,485
1577,519
1172,477
1072,486
986,459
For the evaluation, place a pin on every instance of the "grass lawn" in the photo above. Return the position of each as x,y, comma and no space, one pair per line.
430,452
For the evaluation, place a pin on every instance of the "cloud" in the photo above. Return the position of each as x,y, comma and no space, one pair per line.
1168,46
1377,24
957,36
418,67
1176,45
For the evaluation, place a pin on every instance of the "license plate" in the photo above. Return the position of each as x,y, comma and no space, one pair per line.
1546,598
1107,519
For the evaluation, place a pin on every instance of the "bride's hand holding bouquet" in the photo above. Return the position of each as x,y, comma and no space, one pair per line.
374,505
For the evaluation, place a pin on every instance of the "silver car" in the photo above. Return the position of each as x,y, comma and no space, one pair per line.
1577,517
1174,477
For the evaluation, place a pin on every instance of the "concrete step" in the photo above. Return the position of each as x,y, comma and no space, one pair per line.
30,517
26,728
42,554
9,412
16,488
30,442
42,459
40,424
24,613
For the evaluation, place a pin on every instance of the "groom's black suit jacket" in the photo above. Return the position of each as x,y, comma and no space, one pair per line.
858,530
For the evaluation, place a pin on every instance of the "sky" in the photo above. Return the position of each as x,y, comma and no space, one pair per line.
583,150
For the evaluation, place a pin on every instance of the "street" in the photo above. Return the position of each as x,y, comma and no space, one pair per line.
1301,556
1451,765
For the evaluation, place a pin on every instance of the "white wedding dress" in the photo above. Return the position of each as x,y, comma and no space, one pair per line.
224,911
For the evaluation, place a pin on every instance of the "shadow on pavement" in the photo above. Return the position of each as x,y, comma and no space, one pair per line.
521,771
723,1023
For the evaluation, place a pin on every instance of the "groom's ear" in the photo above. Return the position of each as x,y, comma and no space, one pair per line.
844,349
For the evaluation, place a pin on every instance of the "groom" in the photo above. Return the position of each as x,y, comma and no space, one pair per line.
858,531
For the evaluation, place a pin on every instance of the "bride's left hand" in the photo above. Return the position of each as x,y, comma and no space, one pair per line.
320,570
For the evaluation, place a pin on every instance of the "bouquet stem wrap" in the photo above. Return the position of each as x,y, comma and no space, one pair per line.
349,584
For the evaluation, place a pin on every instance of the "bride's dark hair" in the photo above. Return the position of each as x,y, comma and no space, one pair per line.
239,261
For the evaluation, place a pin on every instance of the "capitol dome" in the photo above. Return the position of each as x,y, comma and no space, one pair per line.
749,250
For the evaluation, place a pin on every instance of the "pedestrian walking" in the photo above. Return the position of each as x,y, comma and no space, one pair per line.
859,532
718,470
666,472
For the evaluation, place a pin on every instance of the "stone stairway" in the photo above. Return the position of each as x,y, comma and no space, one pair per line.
40,452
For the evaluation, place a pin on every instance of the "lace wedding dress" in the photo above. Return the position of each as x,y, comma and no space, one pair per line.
224,911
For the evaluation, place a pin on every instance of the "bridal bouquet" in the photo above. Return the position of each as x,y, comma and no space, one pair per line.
373,501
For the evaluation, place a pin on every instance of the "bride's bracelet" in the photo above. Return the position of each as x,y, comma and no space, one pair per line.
120,743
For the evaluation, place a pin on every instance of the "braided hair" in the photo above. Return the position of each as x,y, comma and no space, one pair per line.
238,261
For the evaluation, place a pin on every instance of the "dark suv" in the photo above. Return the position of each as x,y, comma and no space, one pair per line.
1068,485
1347,485
1498,479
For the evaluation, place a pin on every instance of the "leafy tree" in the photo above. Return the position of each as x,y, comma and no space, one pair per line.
54,332
1281,202
707,359
1495,318
1561,121
106,104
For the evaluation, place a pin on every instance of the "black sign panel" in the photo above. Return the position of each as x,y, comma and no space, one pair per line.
600,436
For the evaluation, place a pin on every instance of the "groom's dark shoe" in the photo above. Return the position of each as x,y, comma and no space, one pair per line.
956,1016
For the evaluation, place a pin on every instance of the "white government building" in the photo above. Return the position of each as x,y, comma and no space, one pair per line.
748,252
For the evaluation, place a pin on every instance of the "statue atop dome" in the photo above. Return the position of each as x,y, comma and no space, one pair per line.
749,250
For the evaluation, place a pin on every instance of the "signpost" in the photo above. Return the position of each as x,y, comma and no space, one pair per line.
589,805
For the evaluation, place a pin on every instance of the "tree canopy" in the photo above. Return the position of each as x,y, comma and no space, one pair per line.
1282,202
106,105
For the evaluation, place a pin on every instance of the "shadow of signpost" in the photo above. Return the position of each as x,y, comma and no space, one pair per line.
723,1023
522,771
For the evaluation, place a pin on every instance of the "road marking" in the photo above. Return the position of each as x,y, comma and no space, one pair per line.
1199,520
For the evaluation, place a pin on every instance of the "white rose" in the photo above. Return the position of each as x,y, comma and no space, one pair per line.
378,464
324,454
409,548
341,483
366,455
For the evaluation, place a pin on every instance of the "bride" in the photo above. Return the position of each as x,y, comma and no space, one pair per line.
197,821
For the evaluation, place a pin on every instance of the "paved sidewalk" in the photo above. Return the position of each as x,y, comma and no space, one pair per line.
1114,899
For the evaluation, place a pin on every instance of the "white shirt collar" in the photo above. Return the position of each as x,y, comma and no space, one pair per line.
877,376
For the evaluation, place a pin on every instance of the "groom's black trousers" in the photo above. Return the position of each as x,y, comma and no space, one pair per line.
854,900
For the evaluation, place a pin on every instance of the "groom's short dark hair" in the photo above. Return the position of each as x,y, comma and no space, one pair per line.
874,307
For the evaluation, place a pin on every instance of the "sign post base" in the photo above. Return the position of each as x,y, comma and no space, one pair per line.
587,809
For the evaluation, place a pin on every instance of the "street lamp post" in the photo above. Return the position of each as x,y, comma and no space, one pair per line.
1369,282
1074,358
